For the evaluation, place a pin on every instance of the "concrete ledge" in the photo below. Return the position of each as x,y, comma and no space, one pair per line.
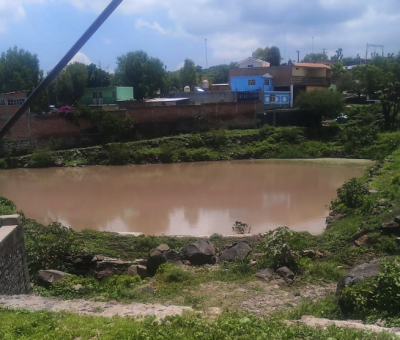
7,220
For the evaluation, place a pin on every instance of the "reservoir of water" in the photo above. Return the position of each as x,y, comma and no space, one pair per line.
182,199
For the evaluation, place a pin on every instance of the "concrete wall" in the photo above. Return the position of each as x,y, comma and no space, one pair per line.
206,97
14,276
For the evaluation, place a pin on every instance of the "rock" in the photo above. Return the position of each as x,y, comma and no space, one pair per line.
392,227
265,274
160,255
59,162
362,241
48,277
286,274
308,253
373,191
199,253
138,270
77,287
359,273
235,251
110,266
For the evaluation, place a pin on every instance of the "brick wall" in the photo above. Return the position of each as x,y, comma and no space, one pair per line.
37,131
14,276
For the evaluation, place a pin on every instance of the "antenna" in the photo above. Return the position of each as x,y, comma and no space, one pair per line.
205,40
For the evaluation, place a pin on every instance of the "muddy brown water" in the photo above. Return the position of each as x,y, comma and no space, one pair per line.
182,199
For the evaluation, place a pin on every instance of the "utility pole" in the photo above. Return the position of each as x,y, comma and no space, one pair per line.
205,40
298,56
312,45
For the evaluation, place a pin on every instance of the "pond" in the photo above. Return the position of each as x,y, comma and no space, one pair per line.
185,198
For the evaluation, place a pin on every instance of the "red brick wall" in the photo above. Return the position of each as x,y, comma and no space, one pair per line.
242,114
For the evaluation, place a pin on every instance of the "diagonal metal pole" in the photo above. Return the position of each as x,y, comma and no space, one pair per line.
61,64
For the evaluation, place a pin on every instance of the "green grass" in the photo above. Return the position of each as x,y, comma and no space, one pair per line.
18,324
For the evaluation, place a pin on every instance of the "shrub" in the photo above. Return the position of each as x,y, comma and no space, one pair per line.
266,130
357,137
3,163
241,228
375,297
47,247
168,272
351,194
7,207
117,153
278,250
218,137
120,286
41,158
321,103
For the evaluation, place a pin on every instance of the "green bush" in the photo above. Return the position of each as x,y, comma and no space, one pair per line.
266,130
321,103
7,207
218,137
278,250
41,158
377,297
169,273
117,153
120,287
3,163
47,247
351,193
358,137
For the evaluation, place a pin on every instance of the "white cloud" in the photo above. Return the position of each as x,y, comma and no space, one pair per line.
140,23
81,58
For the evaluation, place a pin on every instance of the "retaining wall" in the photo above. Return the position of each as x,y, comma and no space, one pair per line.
14,275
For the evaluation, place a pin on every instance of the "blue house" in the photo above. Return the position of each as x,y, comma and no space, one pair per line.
247,85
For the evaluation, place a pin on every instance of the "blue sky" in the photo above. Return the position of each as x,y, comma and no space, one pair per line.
173,30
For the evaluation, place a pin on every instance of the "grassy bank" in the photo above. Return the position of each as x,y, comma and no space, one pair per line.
45,325
344,141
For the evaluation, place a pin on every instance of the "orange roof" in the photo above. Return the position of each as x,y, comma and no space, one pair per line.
311,65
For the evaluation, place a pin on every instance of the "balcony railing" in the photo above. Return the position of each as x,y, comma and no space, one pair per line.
311,81
98,101
248,96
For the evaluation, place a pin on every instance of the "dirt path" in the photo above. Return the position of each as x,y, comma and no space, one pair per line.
85,307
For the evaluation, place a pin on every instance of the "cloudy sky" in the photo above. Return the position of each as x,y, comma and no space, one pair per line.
173,30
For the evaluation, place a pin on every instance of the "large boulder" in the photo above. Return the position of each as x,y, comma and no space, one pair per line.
160,255
138,270
46,278
362,272
235,251
200,252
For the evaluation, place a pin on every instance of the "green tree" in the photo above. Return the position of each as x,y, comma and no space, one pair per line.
188,74
79,77
62,89
97,77
145,74
270,54
390,101
371,77
19,70
315,57
321,103
337,69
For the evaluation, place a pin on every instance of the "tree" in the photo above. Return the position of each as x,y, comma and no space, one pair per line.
62,88
97,77
270,54
338,56
145,74
188,74
371,77
19,70
337,69
390,101
321,103
79,77
315,57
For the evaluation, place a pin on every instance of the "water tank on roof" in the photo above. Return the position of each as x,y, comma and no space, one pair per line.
186,89
205,84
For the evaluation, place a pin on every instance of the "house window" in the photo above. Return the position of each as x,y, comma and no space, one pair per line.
94,95
2,102
251,65
251,82
266,81
273,98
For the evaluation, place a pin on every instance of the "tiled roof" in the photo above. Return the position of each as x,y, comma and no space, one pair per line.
314,65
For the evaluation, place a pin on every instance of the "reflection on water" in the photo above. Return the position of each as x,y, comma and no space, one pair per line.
194,198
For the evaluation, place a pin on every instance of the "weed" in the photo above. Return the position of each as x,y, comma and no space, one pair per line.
41,158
